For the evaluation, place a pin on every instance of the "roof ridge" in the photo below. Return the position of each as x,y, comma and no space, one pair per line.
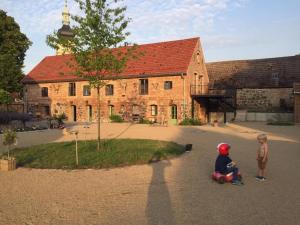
141,45
247,60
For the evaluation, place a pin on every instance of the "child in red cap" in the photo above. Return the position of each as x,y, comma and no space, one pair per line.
225,165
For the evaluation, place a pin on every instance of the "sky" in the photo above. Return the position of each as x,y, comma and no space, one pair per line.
229,29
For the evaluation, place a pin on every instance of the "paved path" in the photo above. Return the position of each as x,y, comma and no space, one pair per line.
179,191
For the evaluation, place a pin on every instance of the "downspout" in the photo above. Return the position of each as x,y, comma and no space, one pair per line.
184,96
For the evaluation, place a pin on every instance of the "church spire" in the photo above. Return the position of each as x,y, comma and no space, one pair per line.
66,14
65,31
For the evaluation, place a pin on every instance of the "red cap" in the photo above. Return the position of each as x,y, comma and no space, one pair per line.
223,148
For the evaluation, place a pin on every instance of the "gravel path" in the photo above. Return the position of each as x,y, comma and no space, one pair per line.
179,191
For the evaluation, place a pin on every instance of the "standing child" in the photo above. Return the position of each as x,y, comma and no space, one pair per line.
262,156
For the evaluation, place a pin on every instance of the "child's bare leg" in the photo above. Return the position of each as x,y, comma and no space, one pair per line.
263,173
260,172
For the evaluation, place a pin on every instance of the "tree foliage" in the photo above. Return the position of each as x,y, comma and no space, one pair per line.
9,138
97,54
5,97
98,35
13,46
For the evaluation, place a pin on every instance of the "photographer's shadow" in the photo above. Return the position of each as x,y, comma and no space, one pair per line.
159,208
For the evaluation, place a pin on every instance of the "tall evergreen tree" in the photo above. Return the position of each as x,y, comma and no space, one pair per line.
99,33
13,45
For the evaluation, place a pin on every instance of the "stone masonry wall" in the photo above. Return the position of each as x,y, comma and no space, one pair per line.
297,102
265,100
125,100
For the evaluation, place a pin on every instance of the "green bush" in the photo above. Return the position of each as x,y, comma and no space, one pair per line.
60,118
190,122
116,119
145,121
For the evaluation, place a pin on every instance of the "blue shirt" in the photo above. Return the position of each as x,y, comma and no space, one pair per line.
221,163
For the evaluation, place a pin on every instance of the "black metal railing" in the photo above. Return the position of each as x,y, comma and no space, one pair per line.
208,90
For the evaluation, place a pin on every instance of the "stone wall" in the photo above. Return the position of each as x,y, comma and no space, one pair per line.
14,107
297,102
125,100
265,100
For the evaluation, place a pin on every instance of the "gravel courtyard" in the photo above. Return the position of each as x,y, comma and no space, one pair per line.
178,191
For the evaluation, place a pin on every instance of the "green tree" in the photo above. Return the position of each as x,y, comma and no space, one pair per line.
97,52
13,45
9,138
5,97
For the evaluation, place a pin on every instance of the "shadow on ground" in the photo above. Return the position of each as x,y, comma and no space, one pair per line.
159,209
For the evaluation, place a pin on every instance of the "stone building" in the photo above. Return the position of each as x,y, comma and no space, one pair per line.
262,86
156,86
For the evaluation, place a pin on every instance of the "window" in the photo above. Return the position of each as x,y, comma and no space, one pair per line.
168,85
198,58
143,86
109,90
110,110
86,90
275,78
72,89
153,110
44,92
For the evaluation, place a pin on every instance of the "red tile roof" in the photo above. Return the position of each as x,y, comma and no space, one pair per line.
164,58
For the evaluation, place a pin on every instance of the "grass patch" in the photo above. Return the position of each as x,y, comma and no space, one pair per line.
114,153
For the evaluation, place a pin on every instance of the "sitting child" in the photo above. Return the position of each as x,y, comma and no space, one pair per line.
225,165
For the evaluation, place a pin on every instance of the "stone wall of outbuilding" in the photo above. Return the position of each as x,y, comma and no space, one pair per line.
265,100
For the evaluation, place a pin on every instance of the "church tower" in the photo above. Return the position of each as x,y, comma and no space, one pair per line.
65,31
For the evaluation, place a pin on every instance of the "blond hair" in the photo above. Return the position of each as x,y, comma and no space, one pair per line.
262,137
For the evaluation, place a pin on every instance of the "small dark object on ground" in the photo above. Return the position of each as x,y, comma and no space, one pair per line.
188,147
